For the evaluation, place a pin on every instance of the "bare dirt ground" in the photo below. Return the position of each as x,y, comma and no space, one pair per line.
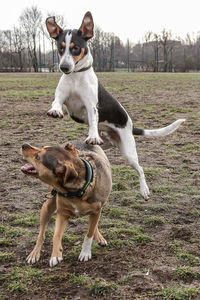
153,247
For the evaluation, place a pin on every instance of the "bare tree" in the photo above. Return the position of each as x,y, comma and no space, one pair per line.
30,21
145,50
97,48
164,39
158,52
4,50
19,45
198,52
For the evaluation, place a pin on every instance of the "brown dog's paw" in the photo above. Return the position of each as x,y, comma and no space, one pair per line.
100,240
54,261
33,257
102,243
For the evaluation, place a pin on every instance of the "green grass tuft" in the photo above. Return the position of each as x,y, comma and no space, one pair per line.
177,293
25,220
8,231
155,221
189,258
21,278
79,279
120,186
5,256
185,273
102,288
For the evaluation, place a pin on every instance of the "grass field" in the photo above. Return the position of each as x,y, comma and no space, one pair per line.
153,247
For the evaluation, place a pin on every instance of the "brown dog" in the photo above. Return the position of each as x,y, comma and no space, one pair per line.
80,183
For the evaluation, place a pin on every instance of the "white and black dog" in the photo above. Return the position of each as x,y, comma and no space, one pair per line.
88,102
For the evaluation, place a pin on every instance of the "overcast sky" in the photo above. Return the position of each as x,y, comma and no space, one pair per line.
126,18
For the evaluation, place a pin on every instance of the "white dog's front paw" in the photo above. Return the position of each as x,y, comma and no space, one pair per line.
54,261
94,140
85,255
56,113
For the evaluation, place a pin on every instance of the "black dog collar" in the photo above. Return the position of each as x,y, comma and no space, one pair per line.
79,193
83,69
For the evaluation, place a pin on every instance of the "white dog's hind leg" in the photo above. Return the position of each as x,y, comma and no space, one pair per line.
127,147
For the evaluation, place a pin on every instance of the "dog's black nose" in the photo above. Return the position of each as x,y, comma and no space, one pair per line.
25,146
64,69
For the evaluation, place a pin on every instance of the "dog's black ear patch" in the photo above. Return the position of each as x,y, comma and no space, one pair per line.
87,26
50,162
53,28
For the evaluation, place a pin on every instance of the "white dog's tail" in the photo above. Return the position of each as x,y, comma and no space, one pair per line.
161,131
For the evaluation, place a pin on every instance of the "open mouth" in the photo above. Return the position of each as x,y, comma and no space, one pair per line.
29,169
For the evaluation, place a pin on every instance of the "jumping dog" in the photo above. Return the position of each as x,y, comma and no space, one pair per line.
88,102
79,182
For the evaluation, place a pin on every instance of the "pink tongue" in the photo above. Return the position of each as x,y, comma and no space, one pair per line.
27,168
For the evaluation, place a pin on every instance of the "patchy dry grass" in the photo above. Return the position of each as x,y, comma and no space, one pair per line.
153,247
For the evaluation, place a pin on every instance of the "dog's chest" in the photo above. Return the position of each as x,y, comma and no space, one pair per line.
76,108
78,212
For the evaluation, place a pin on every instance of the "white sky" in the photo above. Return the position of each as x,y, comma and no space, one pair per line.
126,18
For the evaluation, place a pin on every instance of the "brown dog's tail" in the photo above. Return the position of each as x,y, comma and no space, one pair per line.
159,132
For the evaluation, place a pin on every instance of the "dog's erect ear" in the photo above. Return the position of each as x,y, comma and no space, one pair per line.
66,171
87,26
70,173
70,147
53,28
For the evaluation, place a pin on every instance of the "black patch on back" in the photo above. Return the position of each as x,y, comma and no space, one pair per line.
109,109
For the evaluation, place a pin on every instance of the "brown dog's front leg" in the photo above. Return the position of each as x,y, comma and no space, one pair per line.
46,212
85,254
56,256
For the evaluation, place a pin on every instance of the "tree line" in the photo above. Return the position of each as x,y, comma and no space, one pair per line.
28,47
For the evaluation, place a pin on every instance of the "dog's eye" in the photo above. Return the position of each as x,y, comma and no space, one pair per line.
76,50
37,156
